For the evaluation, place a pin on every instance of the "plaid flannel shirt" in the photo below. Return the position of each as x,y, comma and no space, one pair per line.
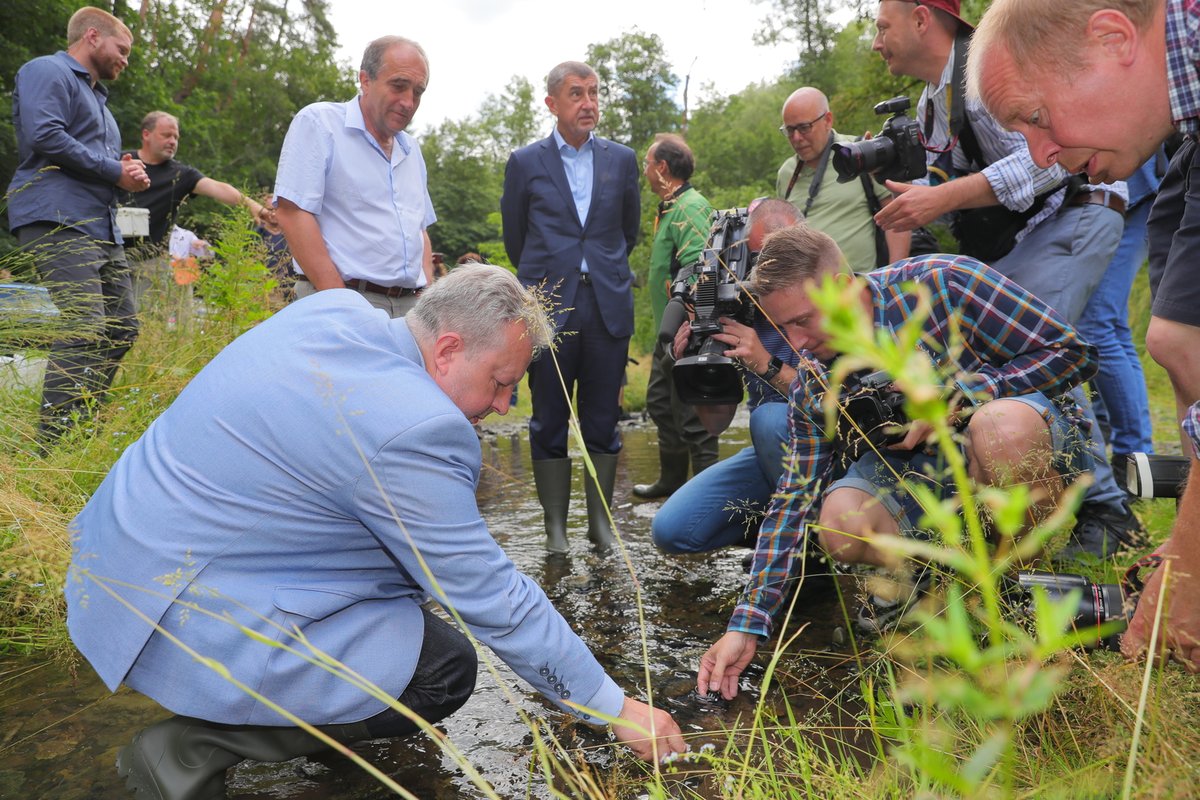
1183,56
1013,345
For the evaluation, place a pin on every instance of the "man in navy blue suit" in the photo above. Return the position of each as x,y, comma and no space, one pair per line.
571,210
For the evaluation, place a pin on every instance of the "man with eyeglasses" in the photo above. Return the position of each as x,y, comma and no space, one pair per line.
1052,233
842,210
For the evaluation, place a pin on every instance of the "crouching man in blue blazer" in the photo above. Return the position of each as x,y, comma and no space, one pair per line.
228,527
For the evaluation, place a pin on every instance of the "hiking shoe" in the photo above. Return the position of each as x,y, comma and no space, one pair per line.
1101,532
880,614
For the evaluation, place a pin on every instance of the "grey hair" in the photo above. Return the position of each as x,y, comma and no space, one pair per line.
150,121
477,301
373,55
554,80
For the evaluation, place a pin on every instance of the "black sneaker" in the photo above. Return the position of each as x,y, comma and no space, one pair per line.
878,615
1102,532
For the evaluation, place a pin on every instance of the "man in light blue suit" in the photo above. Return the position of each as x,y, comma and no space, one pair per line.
311,488
571,209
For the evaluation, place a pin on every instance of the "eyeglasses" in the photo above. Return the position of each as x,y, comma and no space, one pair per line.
803,128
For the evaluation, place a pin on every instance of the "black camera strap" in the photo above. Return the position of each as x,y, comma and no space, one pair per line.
818,175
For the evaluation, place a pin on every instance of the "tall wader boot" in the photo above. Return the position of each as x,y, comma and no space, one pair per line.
599,500
704,455
673,472
182,758
552,476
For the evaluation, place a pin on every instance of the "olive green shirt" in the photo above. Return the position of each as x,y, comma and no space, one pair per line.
839,209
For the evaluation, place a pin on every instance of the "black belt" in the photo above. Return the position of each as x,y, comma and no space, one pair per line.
366,286
1099,197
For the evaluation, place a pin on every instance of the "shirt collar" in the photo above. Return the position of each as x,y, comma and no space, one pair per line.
354,120
560,142
82,71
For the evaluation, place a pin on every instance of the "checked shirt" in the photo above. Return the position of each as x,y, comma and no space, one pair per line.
1012,344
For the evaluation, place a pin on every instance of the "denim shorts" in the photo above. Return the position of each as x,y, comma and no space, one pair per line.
878,475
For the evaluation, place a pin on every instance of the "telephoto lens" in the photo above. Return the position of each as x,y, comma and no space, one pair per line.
1100,604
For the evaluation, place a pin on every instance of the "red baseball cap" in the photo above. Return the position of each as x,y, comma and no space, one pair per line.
951,7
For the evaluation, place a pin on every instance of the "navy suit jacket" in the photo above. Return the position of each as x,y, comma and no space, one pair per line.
546,242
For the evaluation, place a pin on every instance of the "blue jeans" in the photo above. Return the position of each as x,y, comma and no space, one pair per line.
1105,323
721,505
1062,261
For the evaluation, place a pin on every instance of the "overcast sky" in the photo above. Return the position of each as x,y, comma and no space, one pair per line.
476,46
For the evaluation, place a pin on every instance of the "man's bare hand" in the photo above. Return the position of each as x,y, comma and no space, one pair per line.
1179,634
681,339
651,733
911,207
744,345
133,175
723,664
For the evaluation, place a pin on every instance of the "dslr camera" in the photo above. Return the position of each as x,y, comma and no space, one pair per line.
895,154
712,286
1100,604
872,415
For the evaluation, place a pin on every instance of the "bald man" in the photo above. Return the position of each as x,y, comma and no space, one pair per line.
842,210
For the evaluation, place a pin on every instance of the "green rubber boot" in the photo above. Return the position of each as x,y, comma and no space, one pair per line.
672,473
552,477
599,500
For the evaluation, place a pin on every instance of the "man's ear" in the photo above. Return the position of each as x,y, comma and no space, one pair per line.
1113,35
446,348
550,104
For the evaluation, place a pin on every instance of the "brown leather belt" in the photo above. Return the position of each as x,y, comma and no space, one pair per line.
1099,197
366,286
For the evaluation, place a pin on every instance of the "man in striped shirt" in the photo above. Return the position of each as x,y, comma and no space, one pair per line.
1009,357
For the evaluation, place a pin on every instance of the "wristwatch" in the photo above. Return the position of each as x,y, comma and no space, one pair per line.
772,369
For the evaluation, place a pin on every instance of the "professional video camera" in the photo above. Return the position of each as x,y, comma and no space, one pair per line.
713,287
1099,603
896,153
871,415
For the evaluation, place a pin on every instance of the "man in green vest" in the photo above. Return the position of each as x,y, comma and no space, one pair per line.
680,233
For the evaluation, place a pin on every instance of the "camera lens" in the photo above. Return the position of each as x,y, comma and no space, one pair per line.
851,160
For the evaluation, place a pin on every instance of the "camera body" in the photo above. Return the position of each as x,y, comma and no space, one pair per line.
1149,475
872,415
712,286
895,154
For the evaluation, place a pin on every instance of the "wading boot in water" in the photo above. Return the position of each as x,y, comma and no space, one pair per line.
182,758
599,500
552,476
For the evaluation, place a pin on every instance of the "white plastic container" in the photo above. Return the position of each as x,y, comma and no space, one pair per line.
133,221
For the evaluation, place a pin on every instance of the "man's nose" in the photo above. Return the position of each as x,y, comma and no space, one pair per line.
1042,148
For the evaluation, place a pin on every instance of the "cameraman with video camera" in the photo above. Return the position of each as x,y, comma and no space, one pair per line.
1051,233
720,506
1014,366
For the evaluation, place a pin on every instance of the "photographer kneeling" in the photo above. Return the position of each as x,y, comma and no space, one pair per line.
1017,360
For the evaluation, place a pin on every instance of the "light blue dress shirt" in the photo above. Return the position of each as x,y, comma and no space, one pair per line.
580,166
372,210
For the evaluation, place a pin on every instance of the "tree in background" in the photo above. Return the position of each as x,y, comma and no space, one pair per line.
637,88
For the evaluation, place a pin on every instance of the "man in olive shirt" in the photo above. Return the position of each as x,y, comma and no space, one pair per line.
838,209
680,233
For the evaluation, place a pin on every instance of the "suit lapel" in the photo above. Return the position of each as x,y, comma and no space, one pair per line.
552,162
601,160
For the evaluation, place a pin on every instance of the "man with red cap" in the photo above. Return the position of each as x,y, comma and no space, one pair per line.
1053,234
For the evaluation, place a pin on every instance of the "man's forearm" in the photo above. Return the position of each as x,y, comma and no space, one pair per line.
427,259
303,235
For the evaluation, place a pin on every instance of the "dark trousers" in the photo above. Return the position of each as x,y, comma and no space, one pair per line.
592,363
90,283
678,426
443,680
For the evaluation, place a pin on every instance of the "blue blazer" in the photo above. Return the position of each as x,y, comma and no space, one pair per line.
287,490
546,242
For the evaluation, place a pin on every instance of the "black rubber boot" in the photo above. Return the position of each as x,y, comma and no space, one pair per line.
704,455
599,500
673,471
552,477
182,758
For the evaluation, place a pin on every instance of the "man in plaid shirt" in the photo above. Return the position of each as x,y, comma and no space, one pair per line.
1097,86
1009,355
